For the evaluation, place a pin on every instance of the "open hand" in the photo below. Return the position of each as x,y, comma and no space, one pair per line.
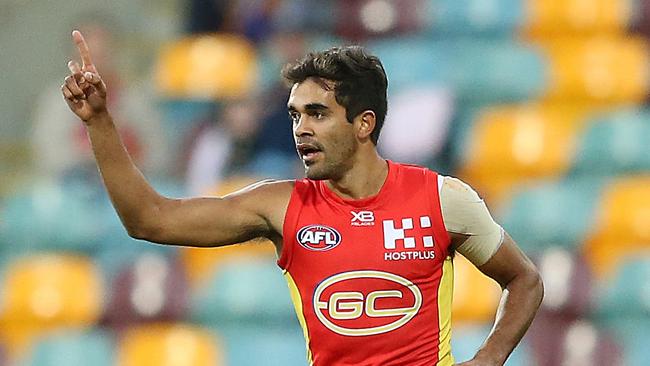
84,90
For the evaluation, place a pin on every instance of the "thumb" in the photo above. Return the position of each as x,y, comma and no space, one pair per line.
96,81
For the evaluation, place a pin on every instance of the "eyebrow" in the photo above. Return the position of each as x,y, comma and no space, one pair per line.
311,107
316,107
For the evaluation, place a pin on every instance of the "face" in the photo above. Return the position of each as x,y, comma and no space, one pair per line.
325,140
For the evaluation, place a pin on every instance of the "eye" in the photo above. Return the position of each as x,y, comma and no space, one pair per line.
295,117
319,115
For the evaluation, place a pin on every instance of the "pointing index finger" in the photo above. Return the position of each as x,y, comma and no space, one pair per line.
84,52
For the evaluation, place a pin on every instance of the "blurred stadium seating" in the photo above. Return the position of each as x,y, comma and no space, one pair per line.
73,348
550,124
621,228
169,344
624,307
151,289
44,292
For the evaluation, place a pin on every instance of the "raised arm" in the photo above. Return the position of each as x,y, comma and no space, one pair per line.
257,211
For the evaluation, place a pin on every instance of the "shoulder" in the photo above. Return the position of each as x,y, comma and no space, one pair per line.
265,190
411,173
466,215
454,190
268,199
463,210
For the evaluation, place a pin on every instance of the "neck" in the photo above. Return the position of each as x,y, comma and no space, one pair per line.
364,179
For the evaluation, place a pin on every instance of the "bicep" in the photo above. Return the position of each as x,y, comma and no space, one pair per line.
207,222
507,263
217,221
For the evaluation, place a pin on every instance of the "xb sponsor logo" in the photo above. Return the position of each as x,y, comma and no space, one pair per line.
388,302
362,218
318,237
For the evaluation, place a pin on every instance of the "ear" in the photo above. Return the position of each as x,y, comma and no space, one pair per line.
366,122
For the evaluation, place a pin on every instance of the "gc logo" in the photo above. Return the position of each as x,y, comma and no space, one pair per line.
353,313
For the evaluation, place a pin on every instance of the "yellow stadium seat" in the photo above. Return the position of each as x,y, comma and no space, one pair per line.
601,70
46,292
553,17
206,67
475,295
512,144
622,225
200,263
169,345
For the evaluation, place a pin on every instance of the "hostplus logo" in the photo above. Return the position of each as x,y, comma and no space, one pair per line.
400,246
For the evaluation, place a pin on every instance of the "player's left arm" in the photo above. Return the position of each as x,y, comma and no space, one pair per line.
476,236
522,294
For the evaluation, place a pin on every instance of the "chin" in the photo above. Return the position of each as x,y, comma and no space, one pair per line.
315,175
312,172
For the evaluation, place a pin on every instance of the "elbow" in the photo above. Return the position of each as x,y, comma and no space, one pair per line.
535,285
138,229
147,232
145,226
138,232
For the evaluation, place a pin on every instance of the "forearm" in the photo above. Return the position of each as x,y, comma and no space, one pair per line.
519,303
132,197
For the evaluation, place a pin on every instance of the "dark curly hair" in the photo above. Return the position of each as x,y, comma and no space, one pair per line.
359,78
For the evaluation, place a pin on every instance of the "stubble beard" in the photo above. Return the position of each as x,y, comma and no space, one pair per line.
335,167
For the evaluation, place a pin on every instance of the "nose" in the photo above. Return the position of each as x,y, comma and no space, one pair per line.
302,128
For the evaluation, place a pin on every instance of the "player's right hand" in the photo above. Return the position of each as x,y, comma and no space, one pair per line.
84,90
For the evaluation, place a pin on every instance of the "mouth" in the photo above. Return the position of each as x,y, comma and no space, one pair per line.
308,152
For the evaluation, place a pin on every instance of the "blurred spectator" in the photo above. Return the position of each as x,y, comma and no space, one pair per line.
221,146
60,146
260,20
208,16
274,147
274,152
417,125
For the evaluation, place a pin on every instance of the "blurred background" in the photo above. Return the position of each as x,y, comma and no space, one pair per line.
538,104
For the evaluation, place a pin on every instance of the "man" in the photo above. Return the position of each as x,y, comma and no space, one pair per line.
366,244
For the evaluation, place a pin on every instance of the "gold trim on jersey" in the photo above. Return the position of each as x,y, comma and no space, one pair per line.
445,298
297,304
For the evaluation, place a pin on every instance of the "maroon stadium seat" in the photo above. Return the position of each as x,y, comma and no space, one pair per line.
367,18
152,288
568,283
558,340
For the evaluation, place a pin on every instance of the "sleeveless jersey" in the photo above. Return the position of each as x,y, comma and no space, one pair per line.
371,280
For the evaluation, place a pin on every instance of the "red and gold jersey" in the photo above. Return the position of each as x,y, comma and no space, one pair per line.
371,279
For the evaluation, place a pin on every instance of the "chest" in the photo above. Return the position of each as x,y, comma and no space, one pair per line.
404,238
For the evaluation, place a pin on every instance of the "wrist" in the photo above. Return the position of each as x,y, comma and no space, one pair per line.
102,117
485,360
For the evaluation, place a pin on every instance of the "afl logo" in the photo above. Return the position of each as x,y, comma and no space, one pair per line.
364,303
318,237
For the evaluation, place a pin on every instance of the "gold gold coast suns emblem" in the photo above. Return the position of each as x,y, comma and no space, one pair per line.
388,302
